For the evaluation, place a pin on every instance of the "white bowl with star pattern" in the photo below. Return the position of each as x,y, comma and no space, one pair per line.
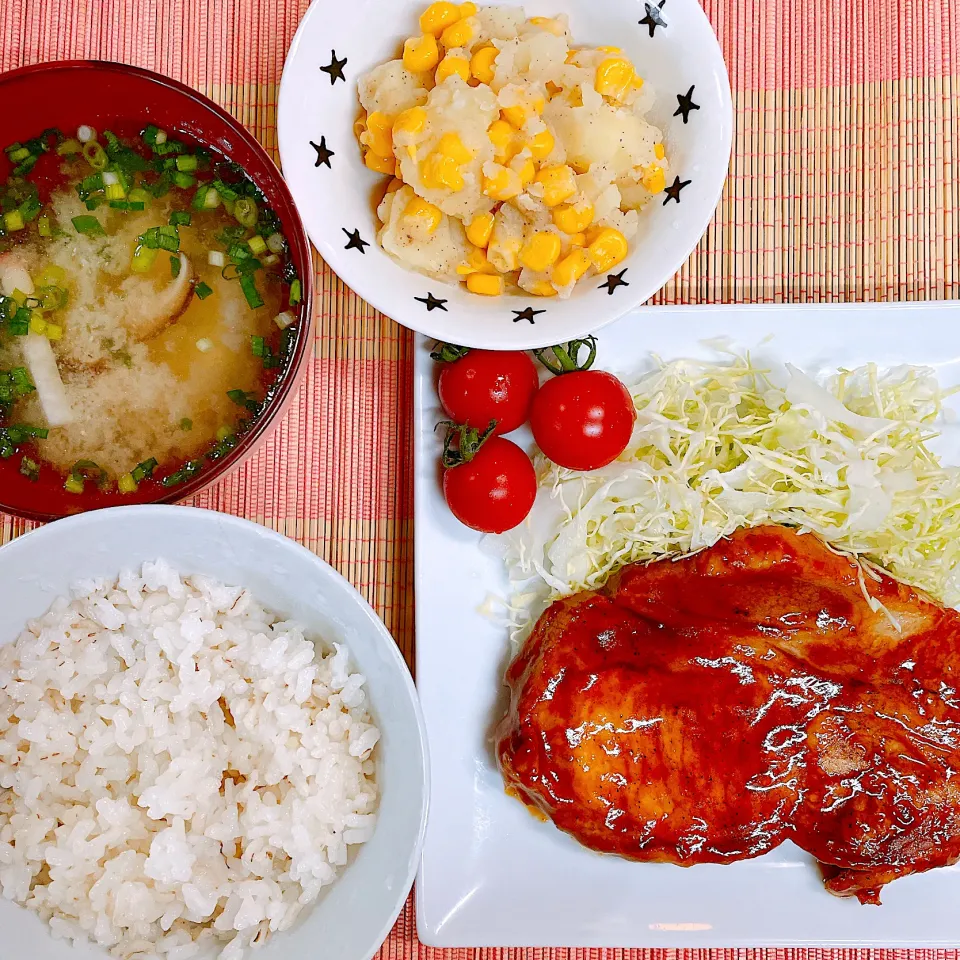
674,48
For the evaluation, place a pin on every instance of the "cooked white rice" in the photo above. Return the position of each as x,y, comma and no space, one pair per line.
181,773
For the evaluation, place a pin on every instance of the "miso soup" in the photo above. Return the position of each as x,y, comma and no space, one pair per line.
147,304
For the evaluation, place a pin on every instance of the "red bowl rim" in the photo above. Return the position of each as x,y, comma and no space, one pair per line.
300,249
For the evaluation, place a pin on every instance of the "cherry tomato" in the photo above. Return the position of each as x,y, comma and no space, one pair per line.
489,385
494,490
583,420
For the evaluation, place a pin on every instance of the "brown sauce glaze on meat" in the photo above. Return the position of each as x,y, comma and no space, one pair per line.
705,710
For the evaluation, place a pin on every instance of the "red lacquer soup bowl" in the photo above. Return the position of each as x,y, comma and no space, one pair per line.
124,99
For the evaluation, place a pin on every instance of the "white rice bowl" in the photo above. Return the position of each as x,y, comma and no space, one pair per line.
181,772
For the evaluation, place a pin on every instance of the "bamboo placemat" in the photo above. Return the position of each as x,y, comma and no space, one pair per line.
843,185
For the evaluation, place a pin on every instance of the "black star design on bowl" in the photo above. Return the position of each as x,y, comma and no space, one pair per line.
673,191
686,105
356,242
323,153
432,303
335,68
613,281
528,313
653,18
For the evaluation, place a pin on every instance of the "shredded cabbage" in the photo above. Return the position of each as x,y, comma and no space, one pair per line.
718,446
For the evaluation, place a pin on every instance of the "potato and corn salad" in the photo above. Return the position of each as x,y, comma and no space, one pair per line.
517,160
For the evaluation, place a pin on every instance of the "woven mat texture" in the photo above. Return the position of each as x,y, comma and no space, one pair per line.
843,185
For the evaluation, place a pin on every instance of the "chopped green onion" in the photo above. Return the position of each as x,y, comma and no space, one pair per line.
270,260
186,162
143,258
109,177
44,228
225,190
256,244
258,346
202,290
186,424
162,238
175,267
74,484
249,287
206,198
223,433
53,331
126,483
243,399
86,133
187,472
90,226
95,155
296,293
139,195
183,180
69,147
216,258
115,191
180,218
143,471
13,221
30,469
285,319
245,211
276,243
16,156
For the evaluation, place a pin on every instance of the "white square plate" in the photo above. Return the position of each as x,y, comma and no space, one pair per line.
491,874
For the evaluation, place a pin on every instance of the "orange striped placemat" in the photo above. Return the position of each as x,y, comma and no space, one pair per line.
843,185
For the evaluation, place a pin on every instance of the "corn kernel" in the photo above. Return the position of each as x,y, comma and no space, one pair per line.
485,284
476,262
502,184
468,9
394,185
451,65
421,54
541,288
479,229
658,151
502,137
438,16
518,114
610,49
54,331
550,25
541,144
541,252
573,219
379,136
451,145
525,169
360,124
609,249
410,122
440,172
457,35
426,213
614,78
571,268
653,178
558,184
579,166
552,89
577,239
637,82
380,164
591,234
481,64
